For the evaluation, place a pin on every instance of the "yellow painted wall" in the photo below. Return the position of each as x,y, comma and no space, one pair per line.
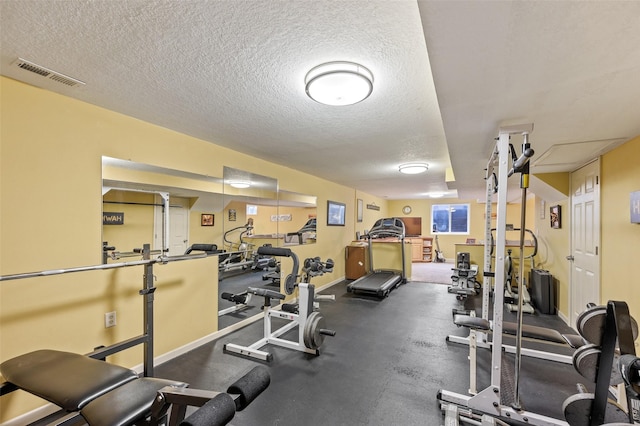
51,218
620,239
559,181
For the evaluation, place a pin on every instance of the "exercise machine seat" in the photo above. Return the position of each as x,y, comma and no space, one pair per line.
126,404
66,379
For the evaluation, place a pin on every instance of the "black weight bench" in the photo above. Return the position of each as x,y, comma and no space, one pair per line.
529,331
108,395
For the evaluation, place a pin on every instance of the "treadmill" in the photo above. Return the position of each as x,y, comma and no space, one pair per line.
380,282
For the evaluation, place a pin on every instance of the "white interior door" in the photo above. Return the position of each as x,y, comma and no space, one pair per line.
178,226
585,238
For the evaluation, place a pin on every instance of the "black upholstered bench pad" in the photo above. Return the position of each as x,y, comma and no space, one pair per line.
66,379
126,404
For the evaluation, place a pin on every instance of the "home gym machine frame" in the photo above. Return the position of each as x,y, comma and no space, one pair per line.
479,339
488,400
310,332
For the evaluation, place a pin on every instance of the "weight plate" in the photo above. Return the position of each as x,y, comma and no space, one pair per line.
577,410
311,336
590,324
586,361
290,284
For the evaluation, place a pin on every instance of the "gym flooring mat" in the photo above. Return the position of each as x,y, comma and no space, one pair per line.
385,365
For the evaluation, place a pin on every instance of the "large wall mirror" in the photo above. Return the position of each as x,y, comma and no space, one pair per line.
298,213
250,220
169,209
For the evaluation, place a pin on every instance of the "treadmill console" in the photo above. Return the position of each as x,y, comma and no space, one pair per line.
388,227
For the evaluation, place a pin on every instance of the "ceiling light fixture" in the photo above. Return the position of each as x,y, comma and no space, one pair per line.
339,83
240,184
436,195
413,168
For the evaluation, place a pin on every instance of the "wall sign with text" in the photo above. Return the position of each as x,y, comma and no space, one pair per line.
112,218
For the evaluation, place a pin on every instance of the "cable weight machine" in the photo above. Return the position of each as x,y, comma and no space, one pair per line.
488,401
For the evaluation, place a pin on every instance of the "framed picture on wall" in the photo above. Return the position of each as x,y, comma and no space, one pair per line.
360,208
206,219
335,213
555,217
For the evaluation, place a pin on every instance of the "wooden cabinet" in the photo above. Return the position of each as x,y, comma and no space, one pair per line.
421,249
356,264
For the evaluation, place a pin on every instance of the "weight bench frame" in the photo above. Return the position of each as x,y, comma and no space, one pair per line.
106,394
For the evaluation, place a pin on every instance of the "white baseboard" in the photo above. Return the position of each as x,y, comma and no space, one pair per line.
48,409
563,317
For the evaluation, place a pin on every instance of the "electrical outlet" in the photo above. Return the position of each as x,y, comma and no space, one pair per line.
110,319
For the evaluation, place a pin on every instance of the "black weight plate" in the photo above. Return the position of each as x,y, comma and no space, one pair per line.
289,284
586,361
311,336
590,324
577,410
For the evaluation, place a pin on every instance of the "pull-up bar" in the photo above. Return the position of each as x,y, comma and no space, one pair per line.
162,259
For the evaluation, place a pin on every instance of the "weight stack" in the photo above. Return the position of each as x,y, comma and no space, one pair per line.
542,291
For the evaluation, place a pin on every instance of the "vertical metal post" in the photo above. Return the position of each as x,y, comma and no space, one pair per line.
148,295
524,184
165,228
487,279
501,226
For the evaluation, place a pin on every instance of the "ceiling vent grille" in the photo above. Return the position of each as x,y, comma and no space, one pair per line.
47,73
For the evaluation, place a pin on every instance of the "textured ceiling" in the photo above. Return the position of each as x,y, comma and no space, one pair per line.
232,73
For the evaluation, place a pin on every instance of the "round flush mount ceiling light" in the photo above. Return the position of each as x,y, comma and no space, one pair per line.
240,184
436,195
339,83
413,168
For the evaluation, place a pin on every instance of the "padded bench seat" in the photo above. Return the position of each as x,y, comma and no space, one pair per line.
530,331
66,379
105,394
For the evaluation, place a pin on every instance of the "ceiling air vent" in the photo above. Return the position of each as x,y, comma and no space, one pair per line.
47,73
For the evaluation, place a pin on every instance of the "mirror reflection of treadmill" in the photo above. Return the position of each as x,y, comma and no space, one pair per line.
380,282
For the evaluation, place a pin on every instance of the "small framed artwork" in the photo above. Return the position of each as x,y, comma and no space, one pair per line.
555,217
360,208
335,213
206,219
232,215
